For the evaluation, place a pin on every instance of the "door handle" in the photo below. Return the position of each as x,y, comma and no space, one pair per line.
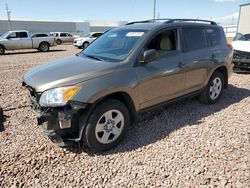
180,65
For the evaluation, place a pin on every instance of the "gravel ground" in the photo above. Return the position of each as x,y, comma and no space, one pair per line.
185,144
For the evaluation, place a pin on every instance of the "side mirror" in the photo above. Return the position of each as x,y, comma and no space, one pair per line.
148,56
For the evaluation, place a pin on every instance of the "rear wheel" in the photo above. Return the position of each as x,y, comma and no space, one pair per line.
214,89
43,47
107,125
2,50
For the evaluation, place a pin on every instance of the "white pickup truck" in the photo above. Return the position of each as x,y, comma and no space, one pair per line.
241,57
16,40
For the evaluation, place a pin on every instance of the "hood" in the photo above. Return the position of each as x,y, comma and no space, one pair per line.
65,72
241,46
80,38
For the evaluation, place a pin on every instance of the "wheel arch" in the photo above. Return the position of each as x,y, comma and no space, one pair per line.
44,42
223,71
124,98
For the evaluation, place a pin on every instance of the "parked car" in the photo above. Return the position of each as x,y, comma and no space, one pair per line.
16,40
83,42
40,35
95,95
241,57
62,37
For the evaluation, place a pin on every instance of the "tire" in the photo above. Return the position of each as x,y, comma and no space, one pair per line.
85,45
214,88
43,47
2,50
58,41
102,132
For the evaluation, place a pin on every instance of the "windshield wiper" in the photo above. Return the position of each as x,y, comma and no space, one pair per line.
93,57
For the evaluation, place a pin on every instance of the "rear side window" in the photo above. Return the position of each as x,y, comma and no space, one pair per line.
214,36
63,35
22,35
195,38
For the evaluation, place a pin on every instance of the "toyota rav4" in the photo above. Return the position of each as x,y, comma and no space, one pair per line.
94,95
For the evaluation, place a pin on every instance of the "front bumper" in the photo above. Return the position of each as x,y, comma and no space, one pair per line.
241,61
241,65
60,124
77,43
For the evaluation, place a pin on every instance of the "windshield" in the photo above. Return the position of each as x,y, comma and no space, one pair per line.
114,45
5,34
241,37
88,35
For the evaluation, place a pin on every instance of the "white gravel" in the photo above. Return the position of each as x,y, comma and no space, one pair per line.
185,144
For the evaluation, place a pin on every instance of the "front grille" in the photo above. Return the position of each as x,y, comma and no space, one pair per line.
241,55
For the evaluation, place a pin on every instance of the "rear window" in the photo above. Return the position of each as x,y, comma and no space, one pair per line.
194,38
214,36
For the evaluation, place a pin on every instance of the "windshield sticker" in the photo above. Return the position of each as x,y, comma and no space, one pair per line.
135,34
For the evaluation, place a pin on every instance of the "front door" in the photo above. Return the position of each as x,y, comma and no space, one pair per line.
162,79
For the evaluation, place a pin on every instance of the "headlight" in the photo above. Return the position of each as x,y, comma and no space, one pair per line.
58,96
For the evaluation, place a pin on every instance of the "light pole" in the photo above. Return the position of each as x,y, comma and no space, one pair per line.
154,8
8,15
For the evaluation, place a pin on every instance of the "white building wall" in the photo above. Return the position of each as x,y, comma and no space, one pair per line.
244,19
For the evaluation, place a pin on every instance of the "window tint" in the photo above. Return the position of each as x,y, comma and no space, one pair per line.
69,35
194,38
214,36
247,37
164,42
22,35
63,35
95,35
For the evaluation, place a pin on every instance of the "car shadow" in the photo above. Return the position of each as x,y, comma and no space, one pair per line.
32,52
157,124
2,120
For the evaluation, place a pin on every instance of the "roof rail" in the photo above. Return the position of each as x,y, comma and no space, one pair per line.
190,20
169,20
145,21
148,21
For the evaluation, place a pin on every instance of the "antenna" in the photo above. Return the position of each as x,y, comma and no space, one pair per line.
154,9
8,15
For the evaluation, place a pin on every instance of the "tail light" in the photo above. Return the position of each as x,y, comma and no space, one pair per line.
230,46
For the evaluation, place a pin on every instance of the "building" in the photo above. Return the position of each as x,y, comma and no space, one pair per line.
230,32
244,19
81,28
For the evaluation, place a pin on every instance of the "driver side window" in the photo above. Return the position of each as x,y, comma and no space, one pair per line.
12,35
164,42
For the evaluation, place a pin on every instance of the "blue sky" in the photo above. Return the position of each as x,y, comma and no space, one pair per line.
123,10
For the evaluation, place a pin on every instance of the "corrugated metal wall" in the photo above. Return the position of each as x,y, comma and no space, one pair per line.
50,26
244,19
45,27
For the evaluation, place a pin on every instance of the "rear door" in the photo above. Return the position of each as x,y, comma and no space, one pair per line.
26,42
198,57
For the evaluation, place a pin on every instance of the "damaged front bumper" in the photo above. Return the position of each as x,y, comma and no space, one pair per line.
63,125
241,61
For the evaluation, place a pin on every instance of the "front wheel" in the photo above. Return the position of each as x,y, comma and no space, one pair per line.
58,41
107,125
214,89
2,50
85,45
